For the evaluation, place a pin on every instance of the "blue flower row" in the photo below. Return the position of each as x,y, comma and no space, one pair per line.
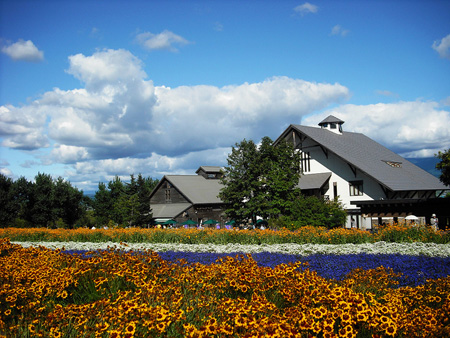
415,270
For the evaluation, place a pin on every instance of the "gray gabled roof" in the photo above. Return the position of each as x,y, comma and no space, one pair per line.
331,119
168,210
372,158
313,181
210,169
196,188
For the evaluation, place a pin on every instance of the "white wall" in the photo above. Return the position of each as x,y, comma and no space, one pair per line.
342,174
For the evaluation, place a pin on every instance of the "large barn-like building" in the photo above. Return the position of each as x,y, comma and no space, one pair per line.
373,182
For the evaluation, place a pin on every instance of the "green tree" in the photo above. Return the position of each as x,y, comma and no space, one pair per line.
310,210
260,181
145,187
124,203
279,166
125,209
8,207
23,200
240,181
444,166
117,189
42,208
68,202
103,204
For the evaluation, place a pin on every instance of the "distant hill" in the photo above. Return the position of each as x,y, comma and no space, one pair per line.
90,194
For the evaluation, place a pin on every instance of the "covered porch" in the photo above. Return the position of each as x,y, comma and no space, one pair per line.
375,211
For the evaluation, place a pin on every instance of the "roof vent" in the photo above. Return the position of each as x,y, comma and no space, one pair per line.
333,124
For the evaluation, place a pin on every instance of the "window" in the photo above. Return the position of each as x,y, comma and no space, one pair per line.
332,125
168,199
356,188
305,165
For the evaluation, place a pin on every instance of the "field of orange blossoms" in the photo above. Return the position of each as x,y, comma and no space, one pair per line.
116,293
319,235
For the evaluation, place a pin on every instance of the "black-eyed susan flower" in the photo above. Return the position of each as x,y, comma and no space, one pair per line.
130,328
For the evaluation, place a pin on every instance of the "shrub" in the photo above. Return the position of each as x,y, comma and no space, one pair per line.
310,210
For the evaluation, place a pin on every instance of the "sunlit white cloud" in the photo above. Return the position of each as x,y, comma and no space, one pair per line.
306,8
23,127
415,128
421,153
446,101
442,47
118,121
165,40
23,51
6,172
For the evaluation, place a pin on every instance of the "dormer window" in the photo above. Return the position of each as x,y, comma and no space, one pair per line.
332,125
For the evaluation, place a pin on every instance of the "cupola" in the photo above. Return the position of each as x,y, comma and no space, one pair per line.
333,124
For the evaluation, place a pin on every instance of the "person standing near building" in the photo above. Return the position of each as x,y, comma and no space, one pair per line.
434,222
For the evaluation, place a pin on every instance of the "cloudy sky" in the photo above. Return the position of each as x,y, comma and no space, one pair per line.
94,89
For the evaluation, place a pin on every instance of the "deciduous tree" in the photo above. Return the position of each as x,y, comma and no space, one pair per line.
260,181
444,166
8,208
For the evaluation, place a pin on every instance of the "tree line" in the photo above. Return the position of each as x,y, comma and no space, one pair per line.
124,203
48,202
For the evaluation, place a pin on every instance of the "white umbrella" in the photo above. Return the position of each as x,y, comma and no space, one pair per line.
412,218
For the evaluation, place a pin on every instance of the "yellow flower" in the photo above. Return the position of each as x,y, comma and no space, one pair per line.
32,328
130,328
391,330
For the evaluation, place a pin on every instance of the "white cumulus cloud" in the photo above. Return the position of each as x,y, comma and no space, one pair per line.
416,127
119,122
23,51
6,172
166,40
443,47
306,8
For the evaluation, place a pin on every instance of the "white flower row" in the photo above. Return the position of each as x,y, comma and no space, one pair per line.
426,249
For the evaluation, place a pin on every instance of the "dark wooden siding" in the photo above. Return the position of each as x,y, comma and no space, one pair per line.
160,196
203,212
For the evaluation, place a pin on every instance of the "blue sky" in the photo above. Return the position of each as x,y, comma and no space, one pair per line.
94,89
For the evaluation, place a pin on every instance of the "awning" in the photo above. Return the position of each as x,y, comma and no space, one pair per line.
313,181
169,210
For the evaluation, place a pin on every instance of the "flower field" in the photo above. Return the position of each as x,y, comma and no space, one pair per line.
55,285
308,234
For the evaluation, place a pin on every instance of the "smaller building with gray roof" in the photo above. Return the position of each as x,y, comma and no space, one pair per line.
189,197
